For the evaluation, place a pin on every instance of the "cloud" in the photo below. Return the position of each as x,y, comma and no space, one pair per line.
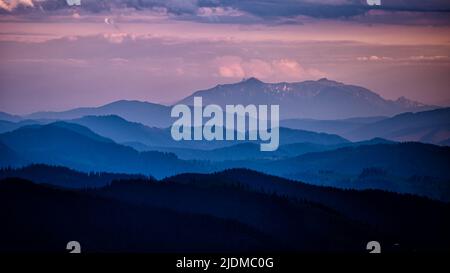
230,67
116,38
13,4
96,6
270,11
72,62
416,5
271,70
218,12
416,58
429,58
374,58
404,17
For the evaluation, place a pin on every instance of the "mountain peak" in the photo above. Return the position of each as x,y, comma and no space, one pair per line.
327,81
127,102
9,117
251,80
403,101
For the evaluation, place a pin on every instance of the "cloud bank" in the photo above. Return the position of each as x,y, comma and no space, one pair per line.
243,11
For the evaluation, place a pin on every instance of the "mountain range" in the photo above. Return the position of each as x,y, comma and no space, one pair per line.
431,126
323,106
133,138
428,126
150,114
351,167
415,168
146,138
322,99
251,151
9,117
135,134
75,146
403,167
338,126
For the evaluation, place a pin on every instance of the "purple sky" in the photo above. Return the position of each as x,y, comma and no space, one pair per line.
55,57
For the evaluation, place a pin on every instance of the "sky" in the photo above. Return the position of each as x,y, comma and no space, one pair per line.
56,56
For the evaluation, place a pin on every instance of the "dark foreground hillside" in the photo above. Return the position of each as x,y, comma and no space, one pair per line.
43,219
235,210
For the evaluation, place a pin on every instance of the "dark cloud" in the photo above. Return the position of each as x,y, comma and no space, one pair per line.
417,5
173,6
268,10
345,9
289,8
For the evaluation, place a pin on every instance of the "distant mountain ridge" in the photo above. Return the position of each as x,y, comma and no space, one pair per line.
428,126
150,114
400,167
10,158
340,126
401,159
9,117
432,126
411,167
249,151
123,131
322,99
64,177
77,147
